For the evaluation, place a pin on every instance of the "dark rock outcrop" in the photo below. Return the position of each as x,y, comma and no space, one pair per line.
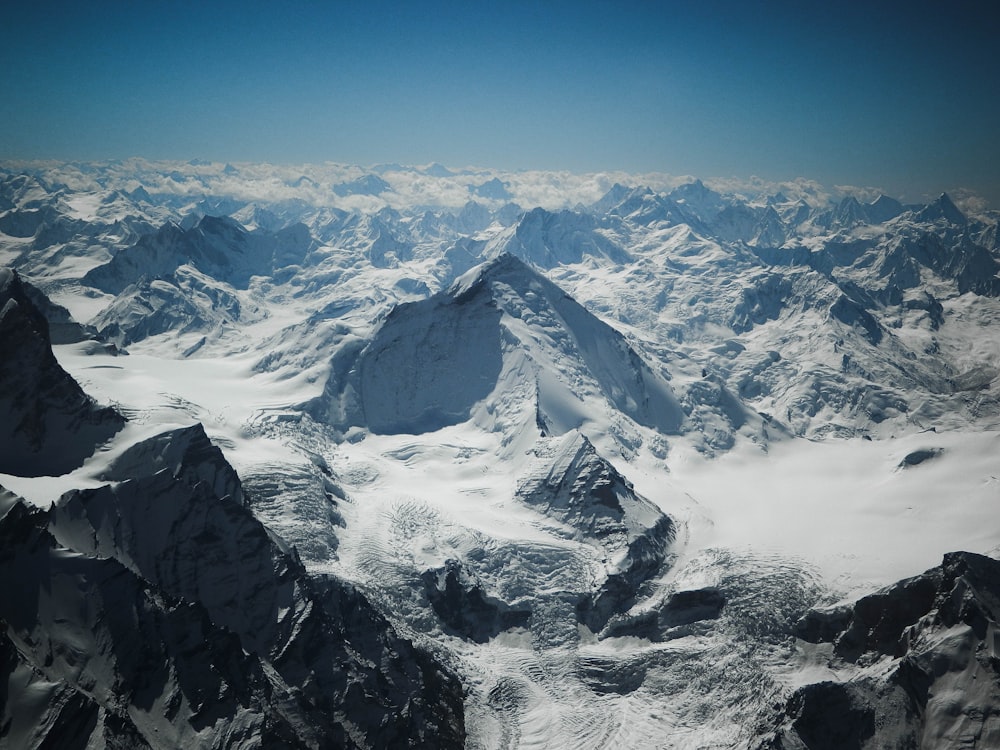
189,456
853,314
51,426
458,598
161,600
682,609
920,661
686,607
917,457
63,329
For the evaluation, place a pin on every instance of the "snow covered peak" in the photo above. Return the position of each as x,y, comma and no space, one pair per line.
565,343
503,265
505,346
614,196
548,239
702,201
574,484
884,208
942,209
849,213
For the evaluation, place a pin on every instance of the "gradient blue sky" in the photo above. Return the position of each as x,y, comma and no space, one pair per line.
900,95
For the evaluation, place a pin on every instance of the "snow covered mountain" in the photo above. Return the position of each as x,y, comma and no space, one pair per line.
503,346
629,457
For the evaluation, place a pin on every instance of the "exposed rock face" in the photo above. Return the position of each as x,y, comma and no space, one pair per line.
682,609
686,607
585,492
459,600
189,456
50,426
168,605
919,661
918,457
63,329
762,300
100,643
853,314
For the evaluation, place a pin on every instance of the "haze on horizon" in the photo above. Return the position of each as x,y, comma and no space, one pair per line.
899,96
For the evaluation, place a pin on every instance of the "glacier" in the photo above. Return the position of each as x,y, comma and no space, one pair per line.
415,456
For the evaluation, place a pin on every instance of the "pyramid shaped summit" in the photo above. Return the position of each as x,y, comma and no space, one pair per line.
503,346
942,208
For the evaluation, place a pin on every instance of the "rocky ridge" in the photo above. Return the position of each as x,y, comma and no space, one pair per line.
51,426
915,665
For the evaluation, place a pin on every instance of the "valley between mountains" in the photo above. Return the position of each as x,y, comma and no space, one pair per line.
324,456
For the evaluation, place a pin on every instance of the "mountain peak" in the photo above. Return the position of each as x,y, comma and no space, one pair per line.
50,426
616,194
369,184
494,189
549,239
942,208
884,208
219,224
434,169
503,265
693,191
503,340
187,453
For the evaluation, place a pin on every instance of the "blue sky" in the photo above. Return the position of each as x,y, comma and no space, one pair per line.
903,96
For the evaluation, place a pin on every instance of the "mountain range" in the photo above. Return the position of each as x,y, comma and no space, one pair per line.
330,456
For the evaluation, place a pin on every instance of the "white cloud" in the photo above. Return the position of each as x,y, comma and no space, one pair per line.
411,188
